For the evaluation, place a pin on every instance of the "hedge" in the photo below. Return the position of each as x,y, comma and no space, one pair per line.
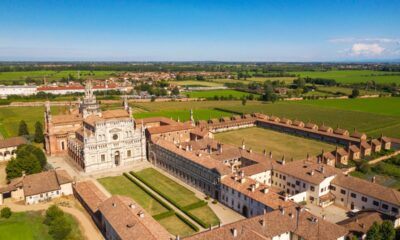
164,215
190,224
184,209
148,192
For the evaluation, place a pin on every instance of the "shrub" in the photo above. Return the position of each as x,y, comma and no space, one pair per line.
214,201
6,212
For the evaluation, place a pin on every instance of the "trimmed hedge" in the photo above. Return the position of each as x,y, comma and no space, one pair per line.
198,204
190,224
164,215
184,209
148,192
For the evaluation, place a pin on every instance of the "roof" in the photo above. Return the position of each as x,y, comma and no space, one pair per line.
368,188
311,125
262,193
169,128
354,148
308,170
297,123
44,182
341,151
106,115
340,131
12,142
66,118
324,128
275,223
161,120
90,194
356,134
130,221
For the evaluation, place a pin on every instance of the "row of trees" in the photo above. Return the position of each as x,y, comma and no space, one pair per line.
38,136
29,160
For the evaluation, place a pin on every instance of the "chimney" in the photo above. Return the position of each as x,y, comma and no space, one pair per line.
190,147
253,187
242,173
141,214
132,205
250,150
373,179
323,217
312,173
270,154
114,204
242,180
243,145
282,210
234,232
265,152
322,169
178,237
209,148
220,148
283,160
187,148
262,222
266,190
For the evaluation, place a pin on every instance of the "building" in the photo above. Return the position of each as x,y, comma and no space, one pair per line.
8,147
21,90
95,139
38,187
123,219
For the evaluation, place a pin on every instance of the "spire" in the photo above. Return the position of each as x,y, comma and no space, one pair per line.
191,117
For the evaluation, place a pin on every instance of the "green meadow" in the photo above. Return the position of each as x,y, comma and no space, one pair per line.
219,93
184,115
354,76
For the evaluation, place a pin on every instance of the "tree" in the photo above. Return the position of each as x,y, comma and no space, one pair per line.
355,93
374,232
39,137
29,160
244,101
6,212
175,91
59,226
269,94
26,149
23,129
52,213
387,230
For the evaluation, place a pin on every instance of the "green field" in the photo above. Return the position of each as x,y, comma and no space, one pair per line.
220,93
120,185
387,106
184,115
279,143
11,116
369,121
29,226
176,226
354,76
10,77
194,83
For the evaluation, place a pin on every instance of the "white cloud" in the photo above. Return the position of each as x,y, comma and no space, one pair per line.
365,49
364,40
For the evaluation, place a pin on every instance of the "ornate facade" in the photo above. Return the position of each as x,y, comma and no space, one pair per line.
93,138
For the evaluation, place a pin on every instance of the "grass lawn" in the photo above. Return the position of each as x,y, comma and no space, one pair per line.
175,105
181,195
24,226
219,93
176,226
206,214
345,90
122,186
184,115
277,142
369,122
354,76
29,226
11,116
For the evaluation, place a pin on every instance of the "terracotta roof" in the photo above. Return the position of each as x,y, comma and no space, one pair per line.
324,128
169,128
354,148
262,193
365,144
361,223
376,142
90,194
311,125
117,113
356,134
340,131
66,118
12,142
162,120
275,223
297,123
342,152
130,221
44,182
368,188
308,170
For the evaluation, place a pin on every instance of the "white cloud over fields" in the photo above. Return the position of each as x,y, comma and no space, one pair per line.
367,49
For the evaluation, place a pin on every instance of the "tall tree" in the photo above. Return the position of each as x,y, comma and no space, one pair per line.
23,129
387,230
374,232
39,137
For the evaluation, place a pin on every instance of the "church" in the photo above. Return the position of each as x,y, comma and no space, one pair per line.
94,139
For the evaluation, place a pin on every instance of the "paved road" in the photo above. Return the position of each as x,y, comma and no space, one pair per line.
88,228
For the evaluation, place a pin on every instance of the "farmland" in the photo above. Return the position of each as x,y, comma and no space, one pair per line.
194,83
354,76
219,93
278,143
184,115
10,77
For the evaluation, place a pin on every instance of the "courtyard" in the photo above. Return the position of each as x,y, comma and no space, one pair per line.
260,139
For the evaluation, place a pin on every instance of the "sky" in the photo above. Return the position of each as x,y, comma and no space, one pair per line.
204,30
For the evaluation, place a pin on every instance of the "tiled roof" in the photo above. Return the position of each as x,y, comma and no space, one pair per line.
90,194
368,188
130,220
169,128
44,182
361,223
66,118
12,142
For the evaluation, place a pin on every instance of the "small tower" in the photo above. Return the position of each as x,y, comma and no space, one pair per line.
192,118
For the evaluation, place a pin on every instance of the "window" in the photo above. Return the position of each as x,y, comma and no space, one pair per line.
312,188
384,206
103,157
311,198
353,195
376,203
332,188
298,183
396,210
304,185
288,183
129,153
364,199
115,137
342,191
284,177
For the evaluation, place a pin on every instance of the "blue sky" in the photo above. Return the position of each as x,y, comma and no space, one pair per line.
204,30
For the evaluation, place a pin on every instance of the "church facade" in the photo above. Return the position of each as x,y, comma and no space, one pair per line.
95,139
